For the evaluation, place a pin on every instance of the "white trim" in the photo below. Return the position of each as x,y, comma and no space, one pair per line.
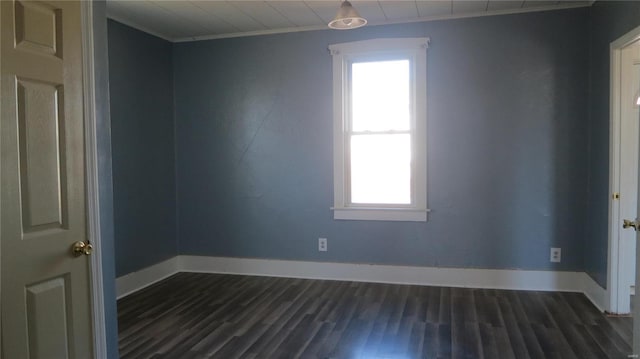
614,187
380,214
389,22
139,27
616,47
380,45
1,345
135,281
510,279
596,294
377,273
93,200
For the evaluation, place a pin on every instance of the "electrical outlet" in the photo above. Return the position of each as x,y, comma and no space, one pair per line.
322,244
556,255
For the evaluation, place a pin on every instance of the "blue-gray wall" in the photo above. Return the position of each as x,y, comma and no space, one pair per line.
507,138
609,21
142,128
105,184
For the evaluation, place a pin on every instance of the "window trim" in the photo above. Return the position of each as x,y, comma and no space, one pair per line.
343,55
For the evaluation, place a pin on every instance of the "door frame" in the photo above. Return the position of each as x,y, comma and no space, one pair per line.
613,263
92,191
1,344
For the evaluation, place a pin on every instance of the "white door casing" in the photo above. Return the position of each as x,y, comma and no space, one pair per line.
46,293
92,192
636,297
629,77
623,173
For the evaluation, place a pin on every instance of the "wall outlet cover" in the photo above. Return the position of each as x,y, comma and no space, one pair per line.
322,244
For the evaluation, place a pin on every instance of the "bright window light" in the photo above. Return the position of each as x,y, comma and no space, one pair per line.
381,169
380,96
380,138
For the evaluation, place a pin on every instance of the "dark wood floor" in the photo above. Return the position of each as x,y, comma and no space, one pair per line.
194,315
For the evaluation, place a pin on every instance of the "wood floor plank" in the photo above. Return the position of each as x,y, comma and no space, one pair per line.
503,346
316,342
488,341
430,340
199,315
444,341
517,337
416,342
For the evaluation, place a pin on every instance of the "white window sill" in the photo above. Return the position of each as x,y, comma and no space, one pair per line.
381,214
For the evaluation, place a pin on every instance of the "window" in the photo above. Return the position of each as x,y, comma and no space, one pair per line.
380,129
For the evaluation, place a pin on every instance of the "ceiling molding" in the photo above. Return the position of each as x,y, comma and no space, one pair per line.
141,28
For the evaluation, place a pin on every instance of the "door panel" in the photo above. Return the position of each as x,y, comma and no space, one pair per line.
38,27
42,155
45,289
47,318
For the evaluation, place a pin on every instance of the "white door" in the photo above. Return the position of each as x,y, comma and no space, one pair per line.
45,292
629,79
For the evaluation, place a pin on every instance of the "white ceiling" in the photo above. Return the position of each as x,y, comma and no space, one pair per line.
189,20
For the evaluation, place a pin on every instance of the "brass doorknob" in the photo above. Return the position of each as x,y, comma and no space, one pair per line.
80,247
628,223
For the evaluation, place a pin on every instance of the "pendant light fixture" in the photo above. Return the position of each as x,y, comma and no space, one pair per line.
347,18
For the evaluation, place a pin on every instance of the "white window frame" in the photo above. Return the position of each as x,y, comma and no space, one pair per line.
414,49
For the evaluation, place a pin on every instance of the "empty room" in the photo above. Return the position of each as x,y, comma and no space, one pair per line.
320,179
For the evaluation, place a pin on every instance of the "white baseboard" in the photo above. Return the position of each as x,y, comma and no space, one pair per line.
375,273
596,294
135,281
